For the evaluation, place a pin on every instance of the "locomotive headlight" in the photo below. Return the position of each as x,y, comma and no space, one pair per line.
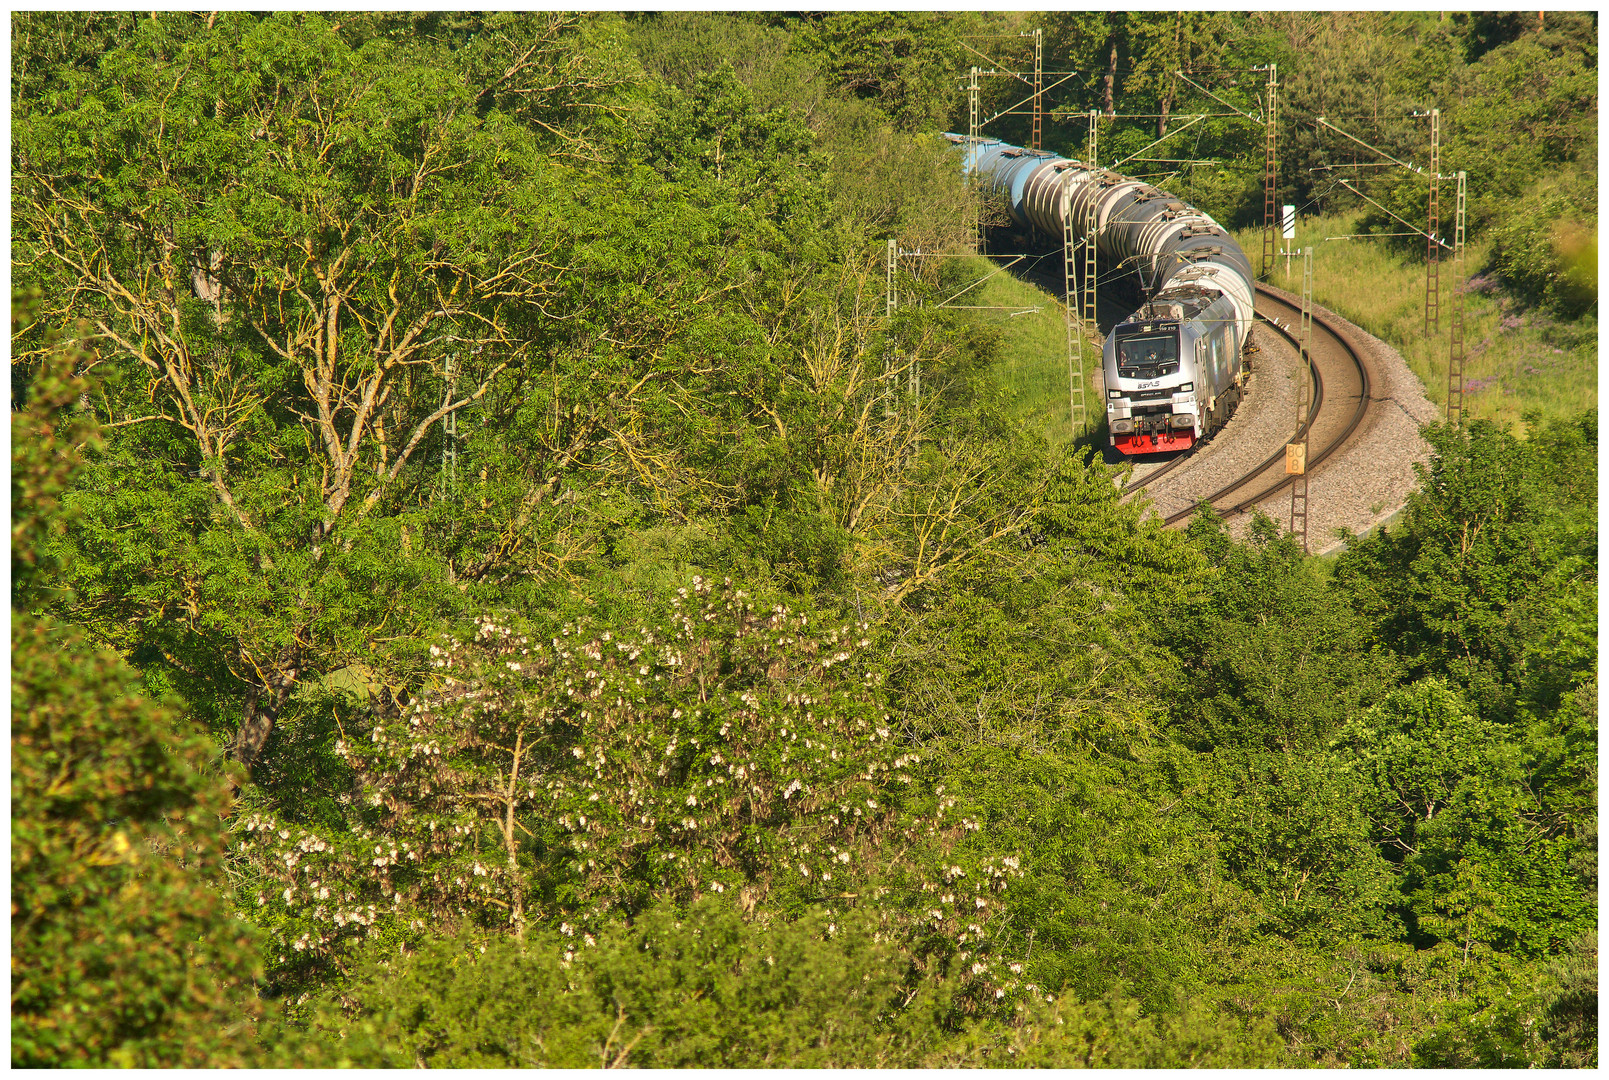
1114,393
1185,388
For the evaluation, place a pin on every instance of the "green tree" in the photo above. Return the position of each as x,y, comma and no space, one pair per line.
1150,75
903,61
1454,804
700,987
1415,749
1026,674
580,771
1524,109
1480,582
300,258
703,988
1518,115
1570,1016
1291,831
125,950
1483,875
1269,658
125,947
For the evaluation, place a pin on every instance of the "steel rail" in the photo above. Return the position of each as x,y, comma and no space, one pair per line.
1318,401
1365,400
1183,456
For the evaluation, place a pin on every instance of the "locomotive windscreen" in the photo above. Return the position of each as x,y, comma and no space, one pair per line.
1147,357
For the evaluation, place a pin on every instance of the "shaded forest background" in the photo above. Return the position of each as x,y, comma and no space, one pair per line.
492,585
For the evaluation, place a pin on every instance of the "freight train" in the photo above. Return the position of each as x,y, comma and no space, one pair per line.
1174,367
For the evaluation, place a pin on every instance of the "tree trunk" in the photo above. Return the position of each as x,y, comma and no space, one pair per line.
516,909
1111,79
263,704
1173,81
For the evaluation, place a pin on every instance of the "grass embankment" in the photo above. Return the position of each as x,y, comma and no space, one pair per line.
1515,360
1031,373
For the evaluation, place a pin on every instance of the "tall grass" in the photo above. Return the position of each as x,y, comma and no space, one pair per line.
1031,373
1515,361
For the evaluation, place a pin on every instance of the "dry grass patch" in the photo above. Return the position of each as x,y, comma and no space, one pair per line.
1516,361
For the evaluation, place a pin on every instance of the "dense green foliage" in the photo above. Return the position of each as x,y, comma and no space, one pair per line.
124,948
706,988
1519,116
494,583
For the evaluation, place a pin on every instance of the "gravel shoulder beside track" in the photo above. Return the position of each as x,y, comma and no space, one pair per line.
1263,421
1365,485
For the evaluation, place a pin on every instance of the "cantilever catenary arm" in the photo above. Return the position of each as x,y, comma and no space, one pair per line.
1163,139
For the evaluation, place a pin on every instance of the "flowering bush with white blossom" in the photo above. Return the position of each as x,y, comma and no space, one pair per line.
732,746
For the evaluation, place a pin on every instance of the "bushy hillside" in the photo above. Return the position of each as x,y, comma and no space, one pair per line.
495,582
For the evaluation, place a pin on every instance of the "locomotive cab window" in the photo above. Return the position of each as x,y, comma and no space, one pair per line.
1147,357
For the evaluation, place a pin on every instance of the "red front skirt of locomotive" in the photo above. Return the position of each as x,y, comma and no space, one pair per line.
1160,442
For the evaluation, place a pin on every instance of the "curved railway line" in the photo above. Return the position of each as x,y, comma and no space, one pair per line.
1342,398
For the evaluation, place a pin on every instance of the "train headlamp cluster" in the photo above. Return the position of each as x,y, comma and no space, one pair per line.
1127,426
1114,393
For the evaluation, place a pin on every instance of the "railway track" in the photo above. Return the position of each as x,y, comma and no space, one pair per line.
1341,399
